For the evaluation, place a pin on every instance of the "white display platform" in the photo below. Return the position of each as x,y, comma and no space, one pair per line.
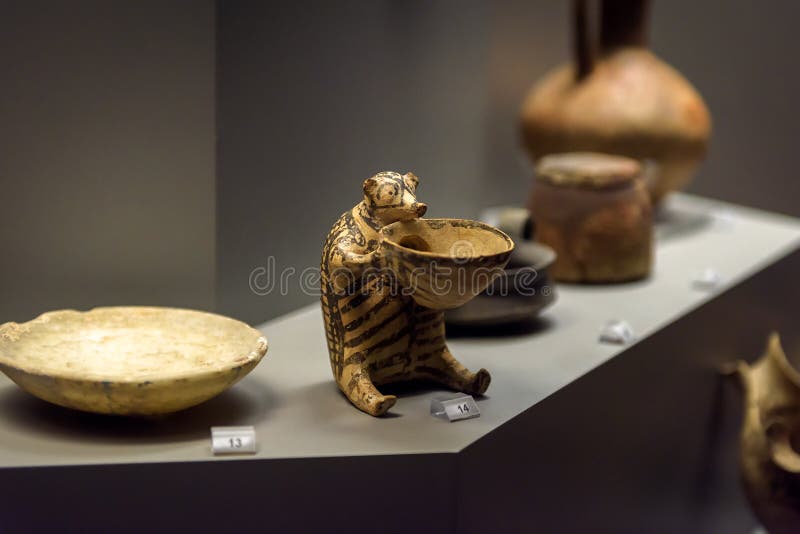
297,410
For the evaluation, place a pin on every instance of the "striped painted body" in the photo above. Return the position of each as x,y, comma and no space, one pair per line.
375,334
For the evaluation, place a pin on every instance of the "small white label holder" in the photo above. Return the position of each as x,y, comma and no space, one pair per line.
455,409
707,280
618,332
233,440
724,220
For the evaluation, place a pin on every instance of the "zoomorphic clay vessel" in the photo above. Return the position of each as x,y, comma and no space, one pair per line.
387,276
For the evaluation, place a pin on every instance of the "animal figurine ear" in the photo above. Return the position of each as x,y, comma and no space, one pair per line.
370,187
411,180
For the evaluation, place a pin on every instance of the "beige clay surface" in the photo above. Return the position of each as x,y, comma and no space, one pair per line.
128,360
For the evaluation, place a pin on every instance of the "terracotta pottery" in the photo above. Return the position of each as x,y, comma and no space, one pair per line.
619,99
387,276
444,263
129,360
770,439
594,211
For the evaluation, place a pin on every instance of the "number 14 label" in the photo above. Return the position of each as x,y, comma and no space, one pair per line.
456,409
233,440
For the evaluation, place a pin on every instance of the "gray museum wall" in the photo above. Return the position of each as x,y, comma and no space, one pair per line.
313,98
116,193
106,155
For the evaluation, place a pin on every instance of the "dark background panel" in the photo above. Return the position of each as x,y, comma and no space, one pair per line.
392,494
647,442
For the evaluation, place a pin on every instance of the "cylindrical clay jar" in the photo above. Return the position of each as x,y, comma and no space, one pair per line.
594,210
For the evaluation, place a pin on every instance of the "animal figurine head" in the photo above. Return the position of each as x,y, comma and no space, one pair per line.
770,438
391,197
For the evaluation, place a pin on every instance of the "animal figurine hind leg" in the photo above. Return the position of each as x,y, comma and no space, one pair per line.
427,357
432,359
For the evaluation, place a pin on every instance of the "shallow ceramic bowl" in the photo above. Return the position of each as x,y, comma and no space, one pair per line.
129,360
443,263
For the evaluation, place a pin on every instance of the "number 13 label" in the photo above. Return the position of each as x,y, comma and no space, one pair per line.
233,440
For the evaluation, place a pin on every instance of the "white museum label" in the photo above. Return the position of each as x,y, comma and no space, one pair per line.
233,440
724,220
708,279
455,409
618,332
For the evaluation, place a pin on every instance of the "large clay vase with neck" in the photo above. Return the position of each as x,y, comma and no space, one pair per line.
617,97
